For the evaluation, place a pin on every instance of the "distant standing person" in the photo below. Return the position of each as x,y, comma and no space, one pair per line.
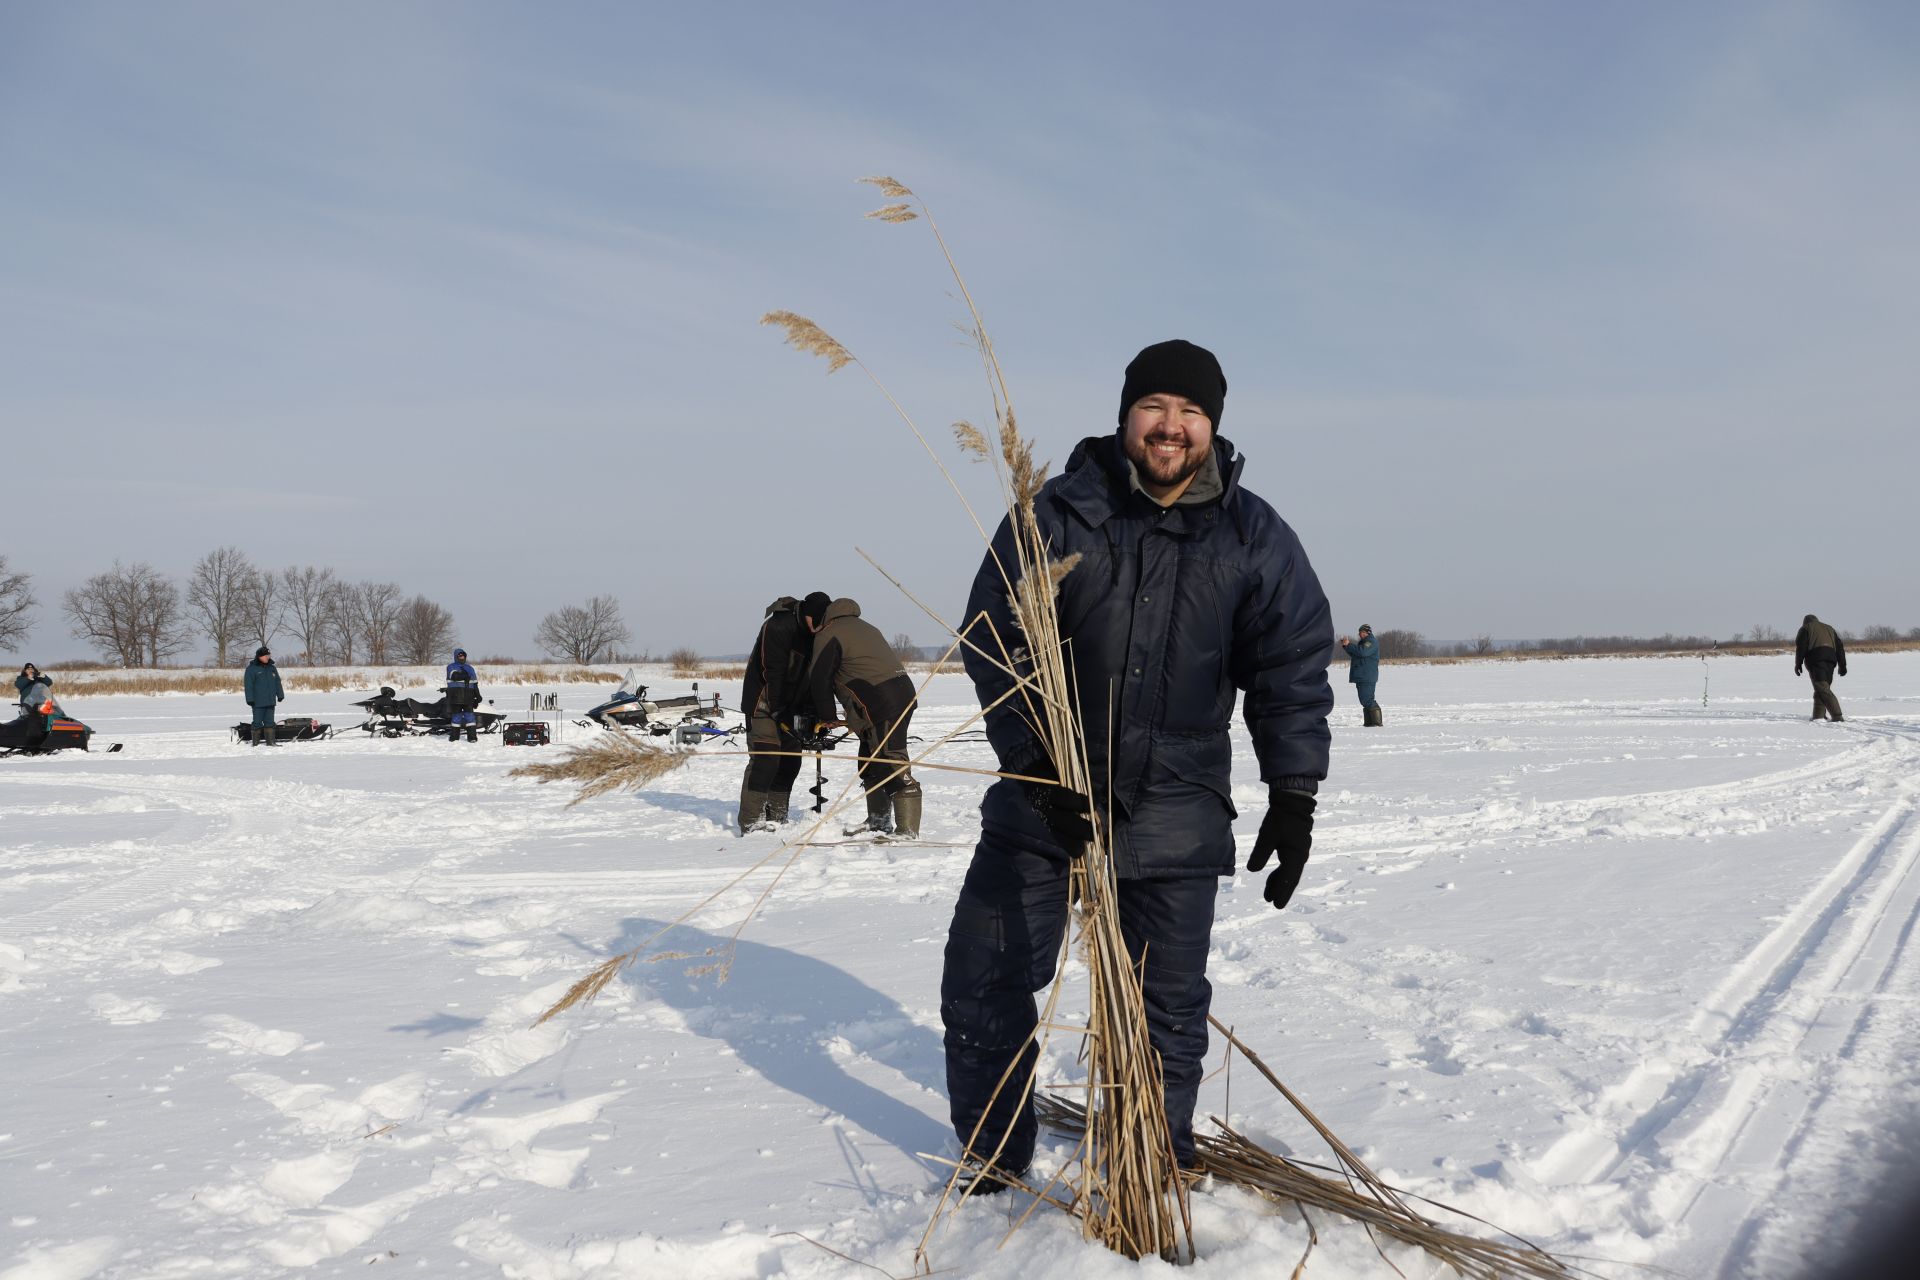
853,660
463,698
1819,649
1363,672
773,692
30,676
264,692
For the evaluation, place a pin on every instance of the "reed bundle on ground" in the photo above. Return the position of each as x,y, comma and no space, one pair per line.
611,762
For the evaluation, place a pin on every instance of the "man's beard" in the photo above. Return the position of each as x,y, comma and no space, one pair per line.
1166,472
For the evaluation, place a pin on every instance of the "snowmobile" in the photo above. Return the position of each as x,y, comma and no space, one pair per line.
391,716
631,708
42,727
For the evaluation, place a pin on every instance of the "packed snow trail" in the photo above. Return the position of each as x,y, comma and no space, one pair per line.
1628,975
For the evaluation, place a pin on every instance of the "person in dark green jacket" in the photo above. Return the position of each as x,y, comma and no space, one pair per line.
263,694
30,676
1363,672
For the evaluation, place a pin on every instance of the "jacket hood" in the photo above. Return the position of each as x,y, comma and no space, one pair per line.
841,608
785,604
1808,621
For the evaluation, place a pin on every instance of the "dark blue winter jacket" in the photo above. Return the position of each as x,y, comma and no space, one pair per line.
1363,661
1170,612
263,683
461,674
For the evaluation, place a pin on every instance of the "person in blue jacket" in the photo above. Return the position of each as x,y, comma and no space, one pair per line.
463,698
1189,592
1363,673
264,693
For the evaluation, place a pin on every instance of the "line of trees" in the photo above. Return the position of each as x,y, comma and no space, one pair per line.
137,616
1411,644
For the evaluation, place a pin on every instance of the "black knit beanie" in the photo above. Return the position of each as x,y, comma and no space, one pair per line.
262,652
1178,368
815,606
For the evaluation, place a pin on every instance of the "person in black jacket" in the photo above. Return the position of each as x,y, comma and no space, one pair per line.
771,696
1189,591
1819,649
30,676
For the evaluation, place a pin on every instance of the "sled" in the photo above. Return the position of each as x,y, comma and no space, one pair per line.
291,729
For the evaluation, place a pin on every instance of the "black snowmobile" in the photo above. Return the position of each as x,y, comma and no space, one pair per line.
631,708
391,716
42,727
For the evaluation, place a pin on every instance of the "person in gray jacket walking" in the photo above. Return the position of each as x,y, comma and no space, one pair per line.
264,692
1363,673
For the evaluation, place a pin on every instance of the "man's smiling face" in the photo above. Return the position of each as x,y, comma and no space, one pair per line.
1168,439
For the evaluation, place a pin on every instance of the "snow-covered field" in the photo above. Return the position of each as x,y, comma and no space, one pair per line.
1623,973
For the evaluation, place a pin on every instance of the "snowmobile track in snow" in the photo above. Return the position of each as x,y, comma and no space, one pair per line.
1727,1100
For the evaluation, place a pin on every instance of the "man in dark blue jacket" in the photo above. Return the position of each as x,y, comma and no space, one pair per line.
263,694
463,698
1189,591
1363,673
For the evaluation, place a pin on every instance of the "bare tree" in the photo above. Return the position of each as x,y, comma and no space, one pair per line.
1880,633
222,579
1402,644
374,610
310,597
1764,634
422,632
1481,645
582,633
904,648
16,605
131,614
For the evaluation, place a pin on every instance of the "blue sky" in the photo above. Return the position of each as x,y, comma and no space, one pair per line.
1539,319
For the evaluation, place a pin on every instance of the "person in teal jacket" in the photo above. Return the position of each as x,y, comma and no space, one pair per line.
1363,672
263,694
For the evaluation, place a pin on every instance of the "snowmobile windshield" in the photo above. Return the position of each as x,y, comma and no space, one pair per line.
629,686
36,698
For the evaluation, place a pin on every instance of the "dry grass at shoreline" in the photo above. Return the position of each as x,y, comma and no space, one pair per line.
305,679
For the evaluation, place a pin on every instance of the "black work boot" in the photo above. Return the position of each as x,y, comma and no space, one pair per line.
984,1179
473,733
272,736
453,733
777,806
255,736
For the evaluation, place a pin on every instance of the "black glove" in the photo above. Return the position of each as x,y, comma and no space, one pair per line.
1797,671
1068,815
1288,831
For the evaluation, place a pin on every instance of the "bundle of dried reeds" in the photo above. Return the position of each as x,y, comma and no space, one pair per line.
611,762
1231,1157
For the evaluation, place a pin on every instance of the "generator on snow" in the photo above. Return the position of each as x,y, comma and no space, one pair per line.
533,731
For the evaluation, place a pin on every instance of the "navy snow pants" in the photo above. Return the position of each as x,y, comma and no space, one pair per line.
1364,688
1004,945
263,716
